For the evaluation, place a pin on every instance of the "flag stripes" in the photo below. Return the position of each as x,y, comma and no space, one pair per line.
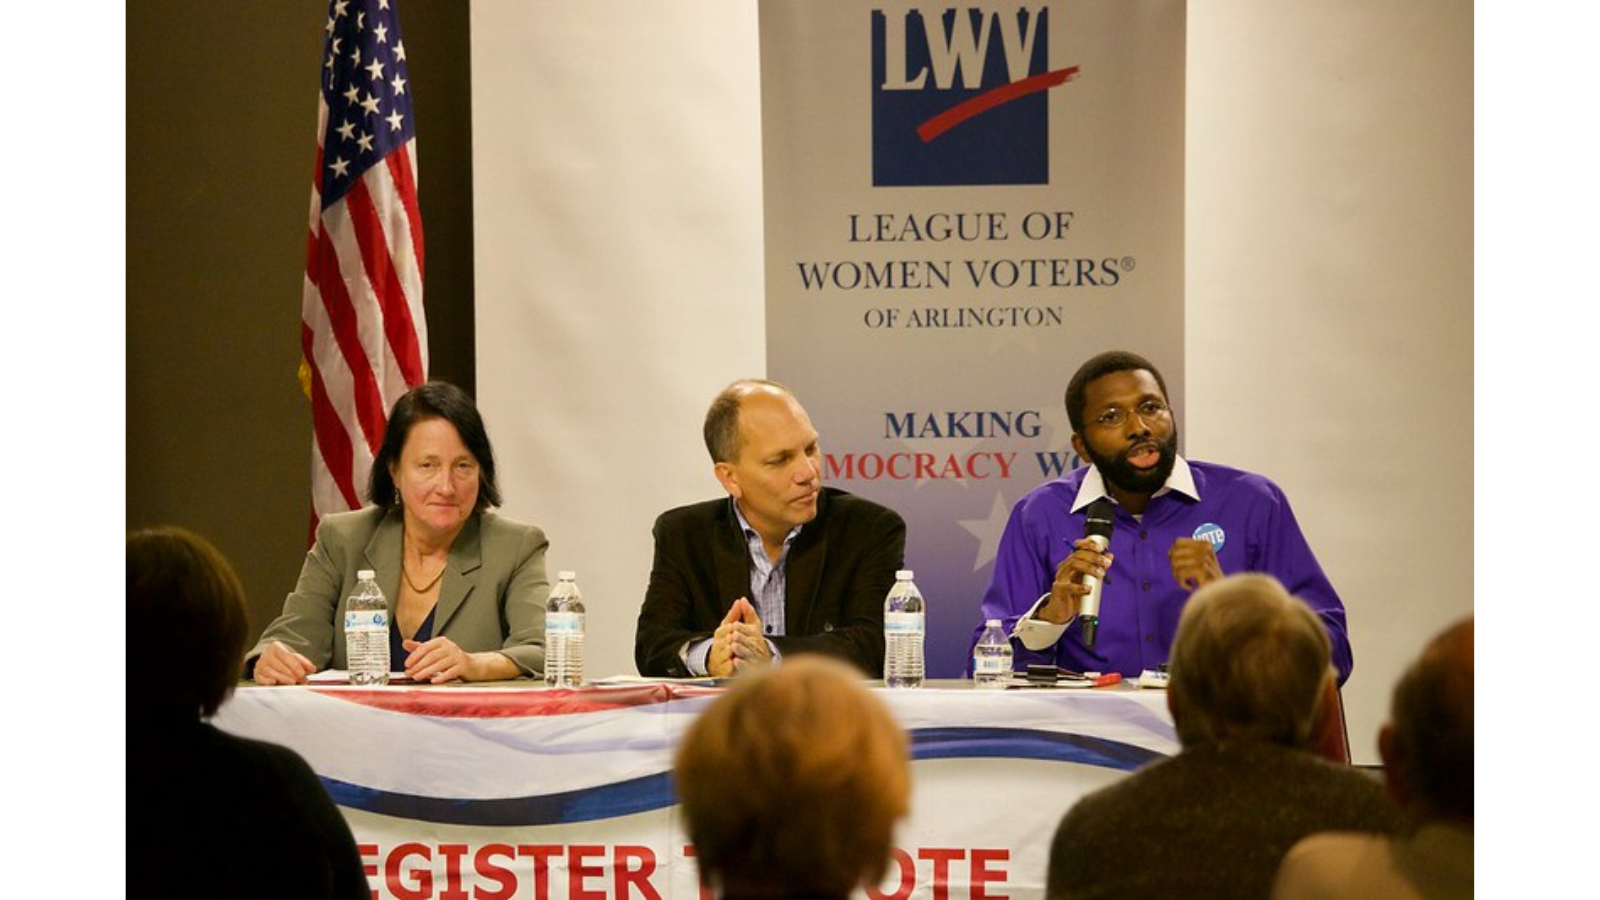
363,329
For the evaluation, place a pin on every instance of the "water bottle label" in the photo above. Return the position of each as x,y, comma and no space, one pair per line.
902,623
990,665
365,619
569,622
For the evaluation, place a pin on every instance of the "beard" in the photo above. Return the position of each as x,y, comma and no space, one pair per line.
1117,471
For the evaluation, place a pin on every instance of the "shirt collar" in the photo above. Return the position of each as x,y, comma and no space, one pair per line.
1093,488
751,534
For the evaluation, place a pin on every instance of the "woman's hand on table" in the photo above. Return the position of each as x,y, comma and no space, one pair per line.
440,659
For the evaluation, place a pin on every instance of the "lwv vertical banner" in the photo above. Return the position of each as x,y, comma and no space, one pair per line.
962,203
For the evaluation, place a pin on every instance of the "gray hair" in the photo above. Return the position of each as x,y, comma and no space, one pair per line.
1249,662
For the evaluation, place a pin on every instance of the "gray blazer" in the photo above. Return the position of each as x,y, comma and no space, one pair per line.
492,597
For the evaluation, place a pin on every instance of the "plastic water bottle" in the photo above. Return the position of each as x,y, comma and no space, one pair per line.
366,631
902,633
991,658
563,633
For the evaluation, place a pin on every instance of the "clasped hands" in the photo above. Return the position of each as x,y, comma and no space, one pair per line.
1193,562
739,644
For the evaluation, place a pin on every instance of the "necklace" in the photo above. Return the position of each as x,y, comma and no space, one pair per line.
404,570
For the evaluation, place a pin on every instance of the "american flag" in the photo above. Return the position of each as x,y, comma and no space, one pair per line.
362,329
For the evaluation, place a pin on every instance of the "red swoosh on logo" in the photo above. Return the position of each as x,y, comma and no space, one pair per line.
988,100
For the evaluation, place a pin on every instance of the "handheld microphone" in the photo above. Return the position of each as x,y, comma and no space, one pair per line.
1096,528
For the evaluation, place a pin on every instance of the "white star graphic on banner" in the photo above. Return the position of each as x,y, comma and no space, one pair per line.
988,531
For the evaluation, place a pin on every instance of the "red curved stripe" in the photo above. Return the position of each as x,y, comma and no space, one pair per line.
988,100
501,703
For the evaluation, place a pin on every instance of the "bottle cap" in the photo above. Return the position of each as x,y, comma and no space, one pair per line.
566,575
904,575
365,574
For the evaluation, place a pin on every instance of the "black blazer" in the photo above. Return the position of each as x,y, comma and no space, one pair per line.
838,572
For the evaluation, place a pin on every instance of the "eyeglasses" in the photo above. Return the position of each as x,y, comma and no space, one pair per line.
1116,416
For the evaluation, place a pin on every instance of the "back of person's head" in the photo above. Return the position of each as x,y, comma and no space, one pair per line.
721,428
1427,744
184,598
791,783
1249,662
1097,367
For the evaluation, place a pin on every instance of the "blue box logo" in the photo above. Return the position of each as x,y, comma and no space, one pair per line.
958,97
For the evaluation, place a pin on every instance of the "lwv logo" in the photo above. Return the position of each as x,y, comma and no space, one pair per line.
958,96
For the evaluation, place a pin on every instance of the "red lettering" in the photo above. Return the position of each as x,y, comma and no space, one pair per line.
908,878
876,460
952,469
1005,460
894,468
635,876
982,874
579,871
705,892
941,857
925,467
835,471
972,465
541,854
369,869
452,854
423,878
484,865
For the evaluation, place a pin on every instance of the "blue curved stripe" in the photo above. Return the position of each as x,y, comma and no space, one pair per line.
653,792
608,801
1026,743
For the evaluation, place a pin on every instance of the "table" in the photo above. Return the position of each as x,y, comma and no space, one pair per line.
512,790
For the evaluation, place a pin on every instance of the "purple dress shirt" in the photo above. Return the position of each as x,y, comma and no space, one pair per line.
1245,516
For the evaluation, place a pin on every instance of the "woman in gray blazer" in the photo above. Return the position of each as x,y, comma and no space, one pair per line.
466,588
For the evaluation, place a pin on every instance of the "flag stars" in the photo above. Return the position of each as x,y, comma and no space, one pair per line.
353,126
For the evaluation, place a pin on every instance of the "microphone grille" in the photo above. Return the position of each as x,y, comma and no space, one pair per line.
1097,519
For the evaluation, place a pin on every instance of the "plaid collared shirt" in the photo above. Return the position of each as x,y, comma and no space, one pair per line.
769,582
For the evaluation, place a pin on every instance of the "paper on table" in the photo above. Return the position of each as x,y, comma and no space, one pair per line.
342,676
1021,682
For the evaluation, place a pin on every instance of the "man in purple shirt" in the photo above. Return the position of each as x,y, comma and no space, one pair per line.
1177,524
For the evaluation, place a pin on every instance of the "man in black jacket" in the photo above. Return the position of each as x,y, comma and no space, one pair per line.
782,565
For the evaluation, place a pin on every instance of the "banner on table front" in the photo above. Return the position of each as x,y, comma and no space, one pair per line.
499,793
962,203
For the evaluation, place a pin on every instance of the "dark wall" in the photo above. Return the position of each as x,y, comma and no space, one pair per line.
222,115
